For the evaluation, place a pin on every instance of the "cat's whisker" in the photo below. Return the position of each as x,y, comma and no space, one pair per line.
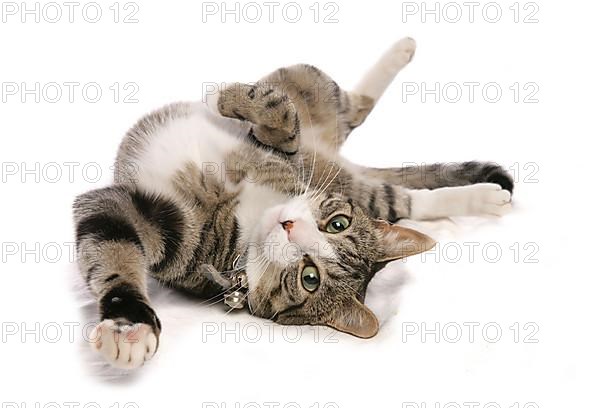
318,192
320,189
314,196
318,183
264,264
312,172
332,179
264,298
205,301
331,166
303,180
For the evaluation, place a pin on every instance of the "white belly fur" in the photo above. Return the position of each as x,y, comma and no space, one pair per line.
205,139
201,138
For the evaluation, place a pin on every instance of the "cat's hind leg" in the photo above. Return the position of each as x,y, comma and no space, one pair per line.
374,83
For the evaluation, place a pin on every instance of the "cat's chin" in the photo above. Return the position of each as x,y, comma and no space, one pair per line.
278,249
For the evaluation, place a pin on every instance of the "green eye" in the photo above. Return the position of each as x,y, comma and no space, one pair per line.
337,224
310,278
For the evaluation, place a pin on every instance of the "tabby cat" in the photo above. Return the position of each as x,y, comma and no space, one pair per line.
249,180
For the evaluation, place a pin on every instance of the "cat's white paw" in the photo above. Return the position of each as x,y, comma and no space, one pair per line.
402,52
381,75
123,345
472,200
489,199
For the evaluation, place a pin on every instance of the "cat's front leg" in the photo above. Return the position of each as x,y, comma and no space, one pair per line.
262,104
117,240
393,202
270,110
129,332
483,199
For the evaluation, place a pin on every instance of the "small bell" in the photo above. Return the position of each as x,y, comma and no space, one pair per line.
242,280
235,299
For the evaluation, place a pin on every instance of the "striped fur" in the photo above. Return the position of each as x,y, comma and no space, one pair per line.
207,184
431,176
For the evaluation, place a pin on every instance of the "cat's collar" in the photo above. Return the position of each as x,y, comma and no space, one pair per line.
234,283
237,296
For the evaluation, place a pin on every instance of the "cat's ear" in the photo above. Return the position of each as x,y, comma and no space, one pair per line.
356,319
398,242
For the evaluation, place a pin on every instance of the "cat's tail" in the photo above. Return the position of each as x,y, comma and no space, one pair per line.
383,72
432,176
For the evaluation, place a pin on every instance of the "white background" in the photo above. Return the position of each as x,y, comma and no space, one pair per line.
548,287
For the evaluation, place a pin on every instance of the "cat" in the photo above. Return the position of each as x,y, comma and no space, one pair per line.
250,180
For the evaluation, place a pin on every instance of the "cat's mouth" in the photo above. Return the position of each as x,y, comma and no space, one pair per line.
277,246
269,223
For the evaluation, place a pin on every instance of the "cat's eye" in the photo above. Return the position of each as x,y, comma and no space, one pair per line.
310,278
337,224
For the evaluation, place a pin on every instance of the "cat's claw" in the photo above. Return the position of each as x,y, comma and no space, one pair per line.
125,346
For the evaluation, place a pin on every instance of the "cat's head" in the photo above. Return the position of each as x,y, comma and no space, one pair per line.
310,261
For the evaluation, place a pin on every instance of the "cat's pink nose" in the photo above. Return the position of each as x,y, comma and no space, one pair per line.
287,225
